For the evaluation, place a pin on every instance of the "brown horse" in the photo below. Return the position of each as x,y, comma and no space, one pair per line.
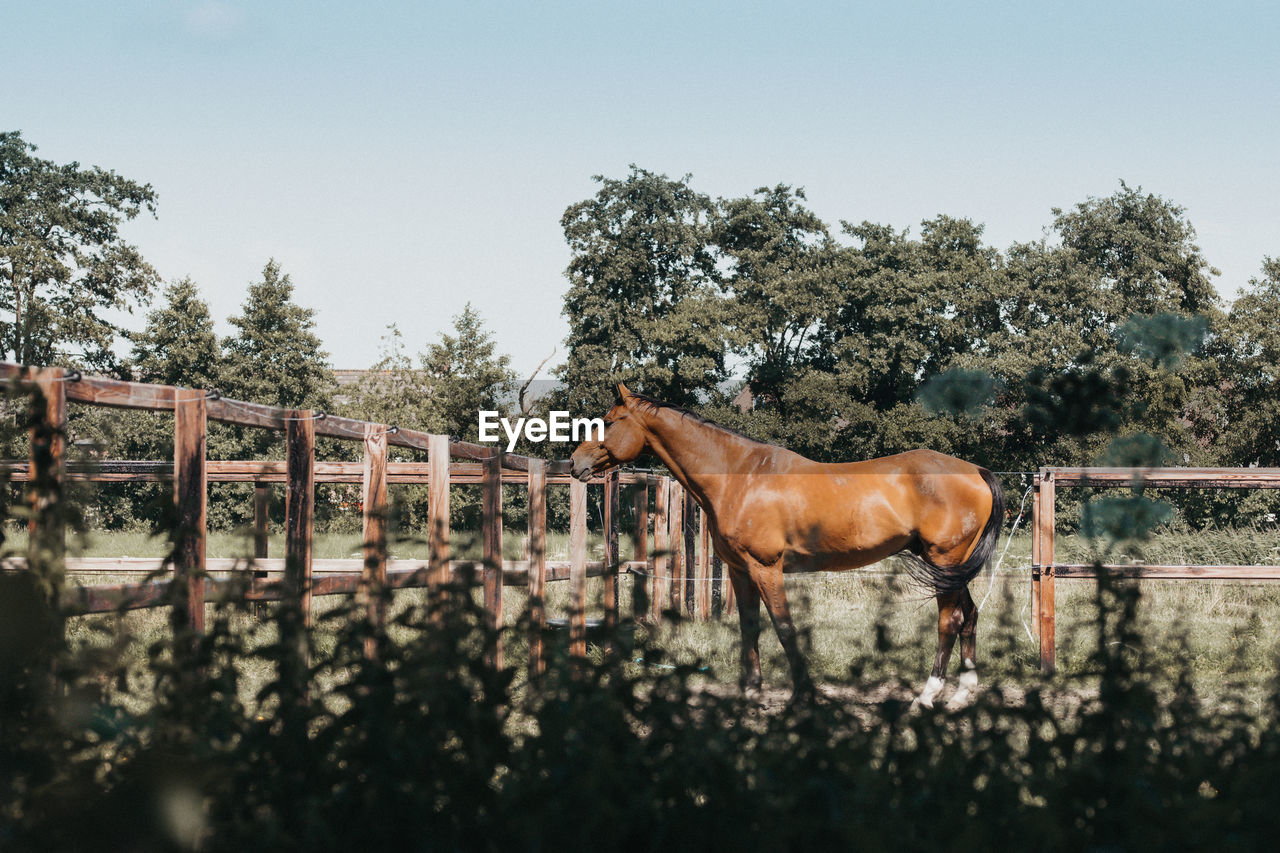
771,511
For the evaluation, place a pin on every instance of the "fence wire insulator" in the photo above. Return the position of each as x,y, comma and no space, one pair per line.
212,394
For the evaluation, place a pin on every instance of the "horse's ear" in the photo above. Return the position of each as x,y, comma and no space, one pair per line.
623,393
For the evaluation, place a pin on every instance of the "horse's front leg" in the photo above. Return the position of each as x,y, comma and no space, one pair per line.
774,593
744,590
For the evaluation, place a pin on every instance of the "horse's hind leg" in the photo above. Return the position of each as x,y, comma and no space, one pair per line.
744,590
968,681
951,619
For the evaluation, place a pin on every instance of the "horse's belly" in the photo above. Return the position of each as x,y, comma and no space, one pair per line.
839,557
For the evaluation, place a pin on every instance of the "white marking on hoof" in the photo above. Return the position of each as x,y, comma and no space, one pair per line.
966,685
931,689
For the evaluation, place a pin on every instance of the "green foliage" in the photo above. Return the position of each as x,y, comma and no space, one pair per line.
957,391
850,350
63,262
1249,350
1142,249
642,305
1080,401
466,375
259,735
428,743
441,392
275,357
784,275
1162,338
178,345
1123,519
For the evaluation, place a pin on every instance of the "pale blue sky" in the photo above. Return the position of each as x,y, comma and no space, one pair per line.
399,159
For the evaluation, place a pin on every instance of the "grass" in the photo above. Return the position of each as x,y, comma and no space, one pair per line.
671,758
465,545
1225,635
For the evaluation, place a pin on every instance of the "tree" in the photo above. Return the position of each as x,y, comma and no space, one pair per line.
63,263
465,375
393,391
1054,330
783,276
275,356
1142,248
453,379
643,304
1250,351
178,345
1149,280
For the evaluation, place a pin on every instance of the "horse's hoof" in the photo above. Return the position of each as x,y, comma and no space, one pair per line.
968,685
932,688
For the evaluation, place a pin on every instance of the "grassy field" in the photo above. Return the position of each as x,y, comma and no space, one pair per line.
871,625
1116,752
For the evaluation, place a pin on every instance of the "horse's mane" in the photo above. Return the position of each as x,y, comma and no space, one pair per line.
654,405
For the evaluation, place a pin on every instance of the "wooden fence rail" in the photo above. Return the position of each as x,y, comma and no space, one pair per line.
1045,569
679,560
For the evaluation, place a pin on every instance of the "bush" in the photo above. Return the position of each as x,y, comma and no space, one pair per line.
427,746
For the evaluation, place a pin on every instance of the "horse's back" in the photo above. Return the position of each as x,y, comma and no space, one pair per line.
844,515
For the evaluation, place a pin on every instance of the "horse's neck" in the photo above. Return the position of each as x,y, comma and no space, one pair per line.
696,452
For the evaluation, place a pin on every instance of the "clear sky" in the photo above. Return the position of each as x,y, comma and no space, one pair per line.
402,158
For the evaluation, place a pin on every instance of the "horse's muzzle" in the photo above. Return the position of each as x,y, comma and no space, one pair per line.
587,460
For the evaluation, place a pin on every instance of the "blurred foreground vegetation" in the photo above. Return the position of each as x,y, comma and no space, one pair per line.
1154,736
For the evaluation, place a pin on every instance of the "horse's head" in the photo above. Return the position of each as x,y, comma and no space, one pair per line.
624,440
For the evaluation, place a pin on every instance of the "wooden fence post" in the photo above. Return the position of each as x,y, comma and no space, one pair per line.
689,538
492,533
373,494
299,512
261,520
537,566
727,604
675,539
437,516
300,441
661,549
1035,559
46,531
702,602
640,553
190,495
577,568
611,506
1046,616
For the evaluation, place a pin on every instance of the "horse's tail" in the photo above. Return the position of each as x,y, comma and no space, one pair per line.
953,578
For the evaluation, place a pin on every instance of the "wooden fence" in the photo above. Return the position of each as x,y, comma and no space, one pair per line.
679,573
1044,569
